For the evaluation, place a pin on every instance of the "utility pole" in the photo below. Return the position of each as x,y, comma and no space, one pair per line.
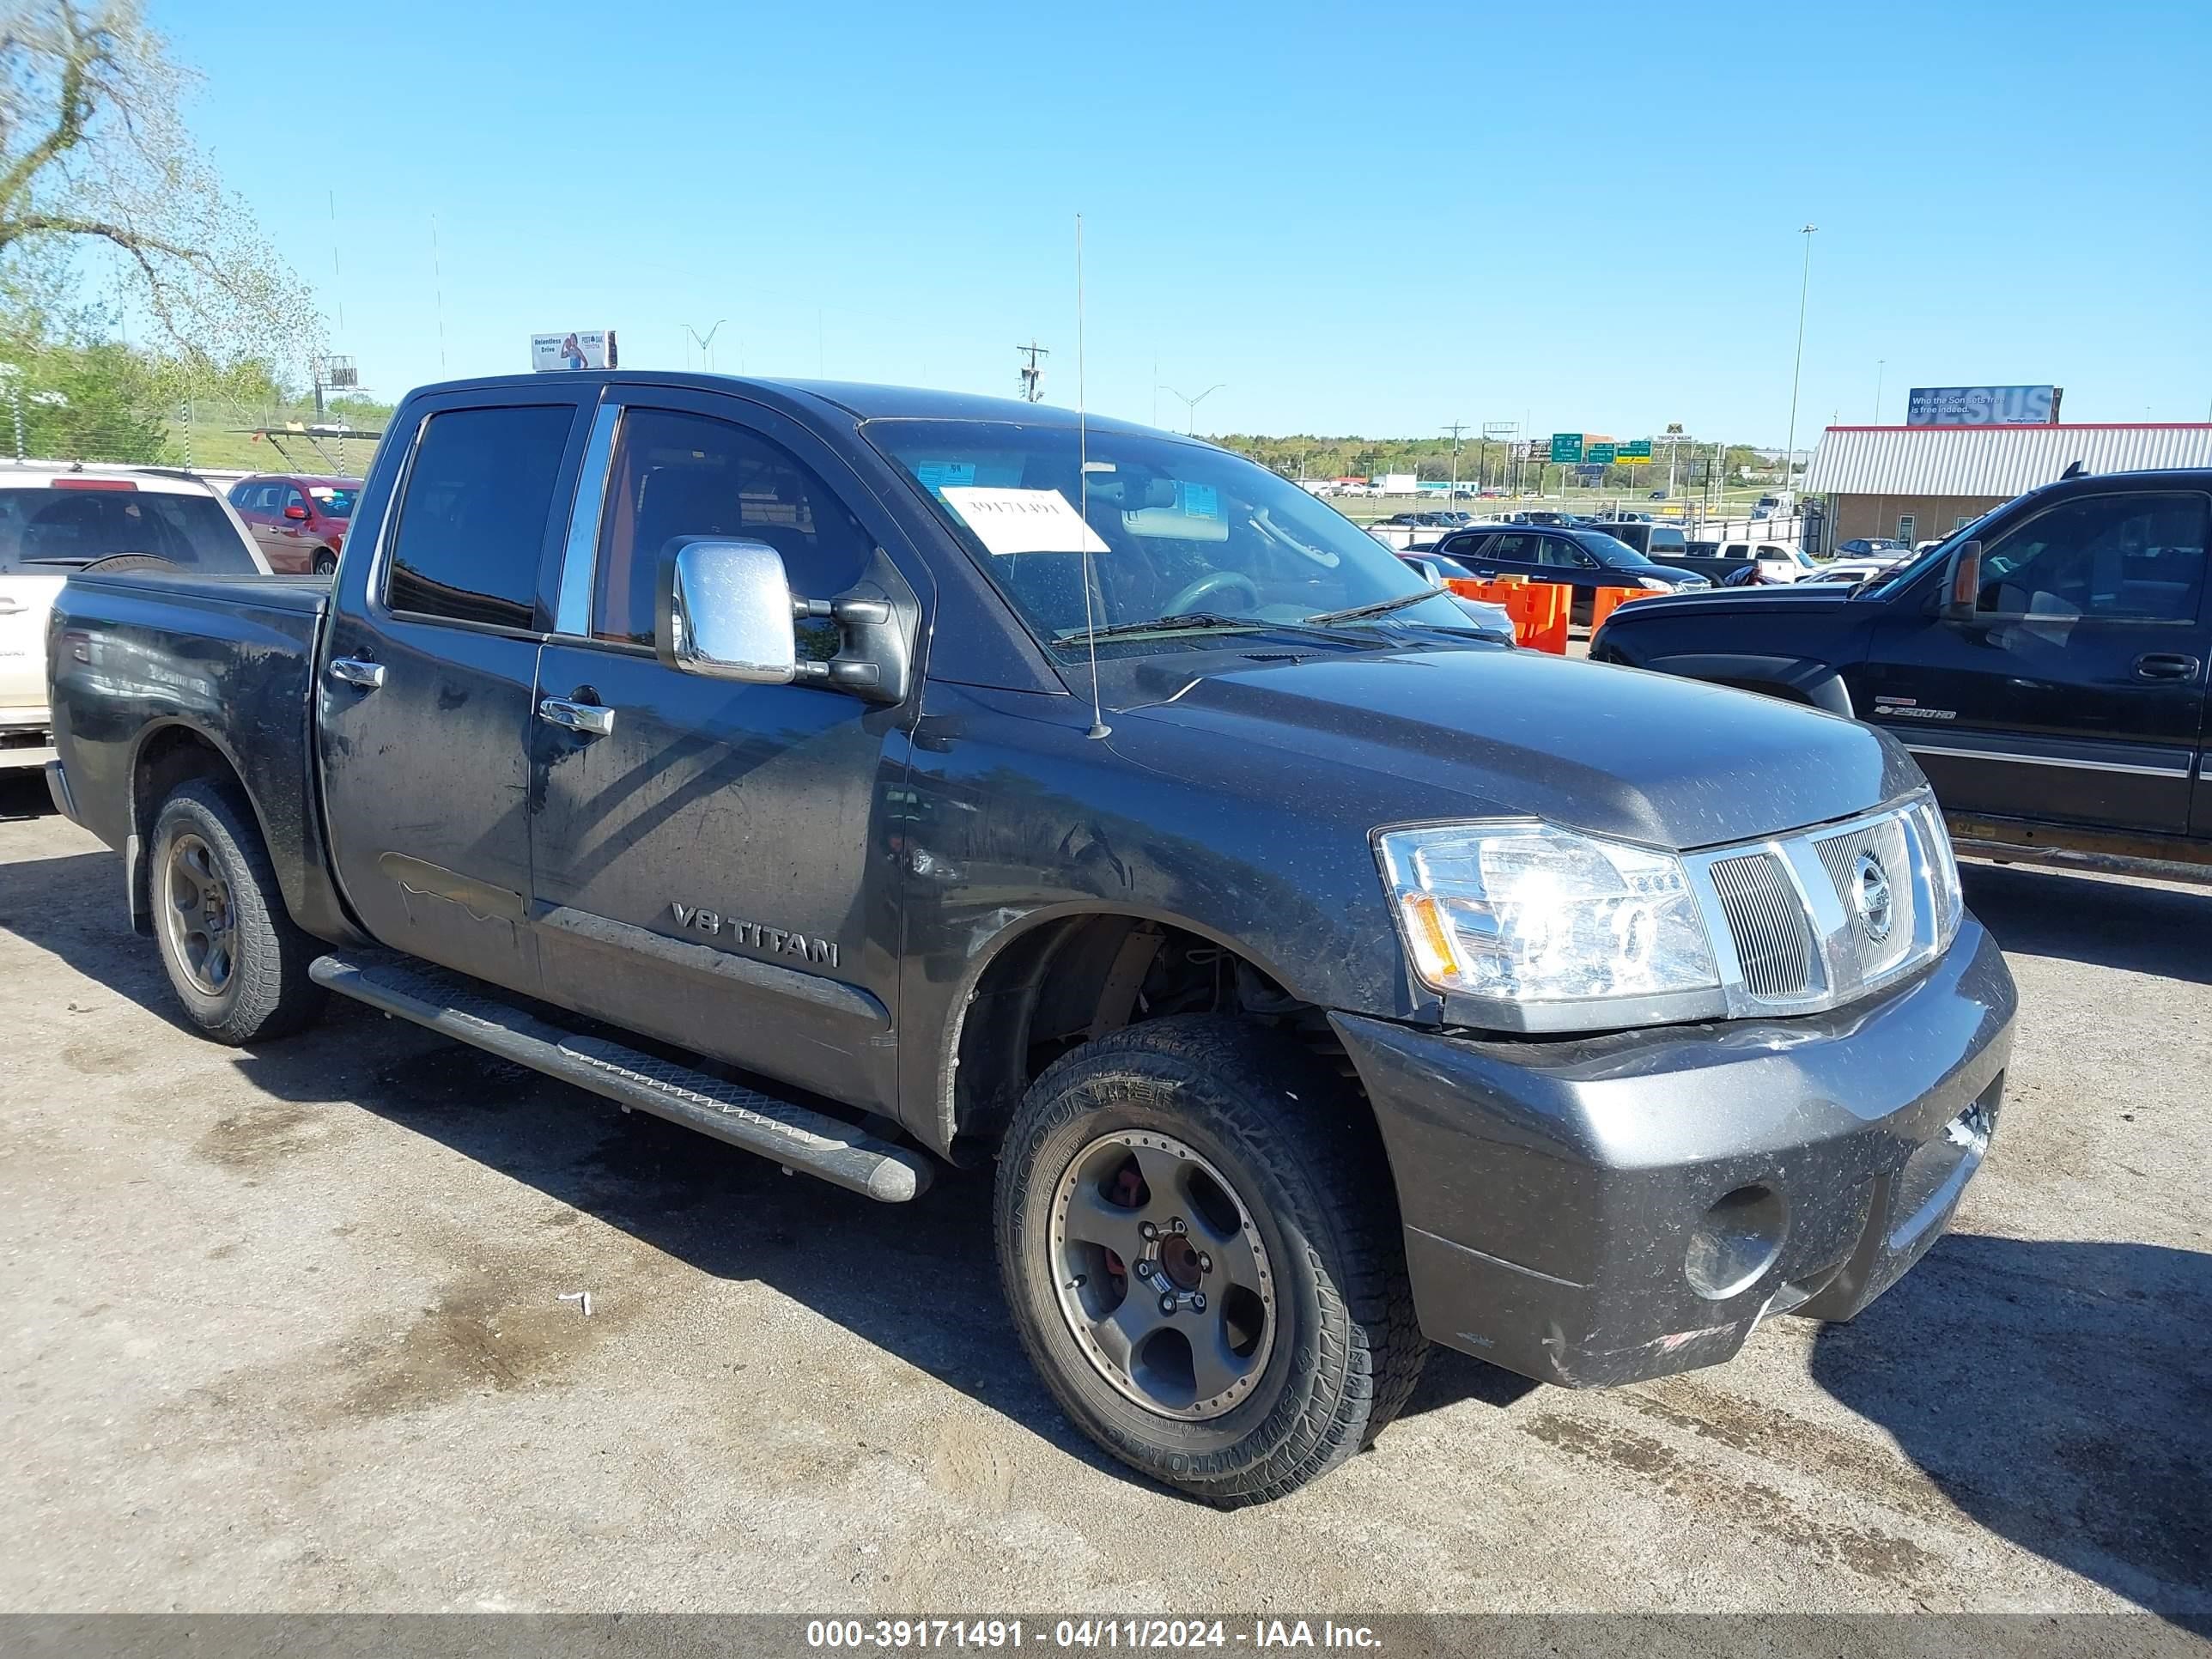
1796,369
1456,429
1032,373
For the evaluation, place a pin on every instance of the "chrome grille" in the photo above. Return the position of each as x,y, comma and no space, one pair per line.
1798,920
1857,859
1773,935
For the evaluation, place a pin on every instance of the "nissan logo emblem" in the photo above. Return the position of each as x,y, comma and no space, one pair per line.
1870,894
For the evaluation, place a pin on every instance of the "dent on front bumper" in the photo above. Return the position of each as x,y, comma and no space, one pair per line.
1560,1197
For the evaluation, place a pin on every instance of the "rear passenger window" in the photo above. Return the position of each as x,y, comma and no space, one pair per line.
678,475
472,522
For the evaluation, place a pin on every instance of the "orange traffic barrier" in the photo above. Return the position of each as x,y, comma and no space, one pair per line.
1607,600
1539,610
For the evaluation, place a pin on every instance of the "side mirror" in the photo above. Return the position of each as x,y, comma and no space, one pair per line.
295,511
725,612
1962,583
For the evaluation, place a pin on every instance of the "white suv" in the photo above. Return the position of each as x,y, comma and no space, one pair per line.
56,518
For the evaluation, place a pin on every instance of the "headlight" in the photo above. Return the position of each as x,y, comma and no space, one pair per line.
1523,913
1655,585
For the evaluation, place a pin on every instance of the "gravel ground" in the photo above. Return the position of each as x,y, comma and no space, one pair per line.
284,1331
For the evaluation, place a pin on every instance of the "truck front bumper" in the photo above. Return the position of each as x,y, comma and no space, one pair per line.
1600,1210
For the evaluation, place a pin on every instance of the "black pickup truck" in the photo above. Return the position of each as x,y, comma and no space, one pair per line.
923,778
2045,665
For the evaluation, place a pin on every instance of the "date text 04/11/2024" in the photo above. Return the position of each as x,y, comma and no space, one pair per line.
1084,1635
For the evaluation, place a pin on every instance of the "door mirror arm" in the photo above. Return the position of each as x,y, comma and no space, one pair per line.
1962,583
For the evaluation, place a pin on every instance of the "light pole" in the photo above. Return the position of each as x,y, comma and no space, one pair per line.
706,345
1880,364
1190,405
1797,366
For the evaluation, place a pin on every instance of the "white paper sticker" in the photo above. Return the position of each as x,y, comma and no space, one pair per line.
1022,520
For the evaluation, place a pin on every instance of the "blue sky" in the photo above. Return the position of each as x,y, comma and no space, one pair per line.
1369,221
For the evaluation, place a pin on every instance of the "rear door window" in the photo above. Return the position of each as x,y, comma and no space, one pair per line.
471,529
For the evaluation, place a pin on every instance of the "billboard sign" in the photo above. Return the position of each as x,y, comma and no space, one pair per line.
574,348
1982,405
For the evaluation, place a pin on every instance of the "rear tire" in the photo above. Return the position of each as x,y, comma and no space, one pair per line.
234,957
1243,1144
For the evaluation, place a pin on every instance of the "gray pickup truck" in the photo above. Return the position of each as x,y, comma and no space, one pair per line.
925,779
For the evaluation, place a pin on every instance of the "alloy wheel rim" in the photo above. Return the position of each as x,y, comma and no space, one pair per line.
1161,1275
197,915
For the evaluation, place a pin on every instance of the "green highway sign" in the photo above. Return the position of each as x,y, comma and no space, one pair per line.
1638,451
1600,454
1567,447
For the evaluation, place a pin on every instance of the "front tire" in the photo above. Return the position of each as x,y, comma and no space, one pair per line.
1198,1239
326,563
235,958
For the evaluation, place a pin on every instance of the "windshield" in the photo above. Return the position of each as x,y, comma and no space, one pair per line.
62,528
1609,550
1177,530
335,500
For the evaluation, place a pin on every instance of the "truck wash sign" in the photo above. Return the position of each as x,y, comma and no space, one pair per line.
1984,405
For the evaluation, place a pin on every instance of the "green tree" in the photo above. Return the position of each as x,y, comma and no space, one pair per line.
95,164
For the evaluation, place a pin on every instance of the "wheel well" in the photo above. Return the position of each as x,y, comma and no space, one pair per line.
174,755
1062,984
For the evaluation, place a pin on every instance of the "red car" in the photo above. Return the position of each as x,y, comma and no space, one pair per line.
298,523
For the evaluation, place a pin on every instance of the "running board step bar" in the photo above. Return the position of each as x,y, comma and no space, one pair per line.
793,1135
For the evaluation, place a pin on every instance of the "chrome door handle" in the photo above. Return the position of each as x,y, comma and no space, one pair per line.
587,718
368,675
12,608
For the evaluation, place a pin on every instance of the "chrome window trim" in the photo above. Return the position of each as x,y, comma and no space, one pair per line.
579,553
2129,768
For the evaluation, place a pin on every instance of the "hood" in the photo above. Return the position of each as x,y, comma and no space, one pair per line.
1773,600
1495,733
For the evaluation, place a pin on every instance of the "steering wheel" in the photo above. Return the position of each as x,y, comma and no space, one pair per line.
1212,582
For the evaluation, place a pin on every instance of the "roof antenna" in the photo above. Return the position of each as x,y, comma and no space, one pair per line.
2073,471
1098,726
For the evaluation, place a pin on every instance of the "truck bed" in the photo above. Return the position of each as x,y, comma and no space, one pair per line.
143,658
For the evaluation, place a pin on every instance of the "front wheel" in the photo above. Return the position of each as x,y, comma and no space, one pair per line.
234,957
1198,1239
326,563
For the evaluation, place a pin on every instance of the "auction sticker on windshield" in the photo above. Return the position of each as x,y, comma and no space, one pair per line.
1022,520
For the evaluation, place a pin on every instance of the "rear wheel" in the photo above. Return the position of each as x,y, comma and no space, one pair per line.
1198,1239
234,956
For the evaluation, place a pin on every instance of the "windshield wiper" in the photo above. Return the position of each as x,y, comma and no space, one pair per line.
1192,620
1379,608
